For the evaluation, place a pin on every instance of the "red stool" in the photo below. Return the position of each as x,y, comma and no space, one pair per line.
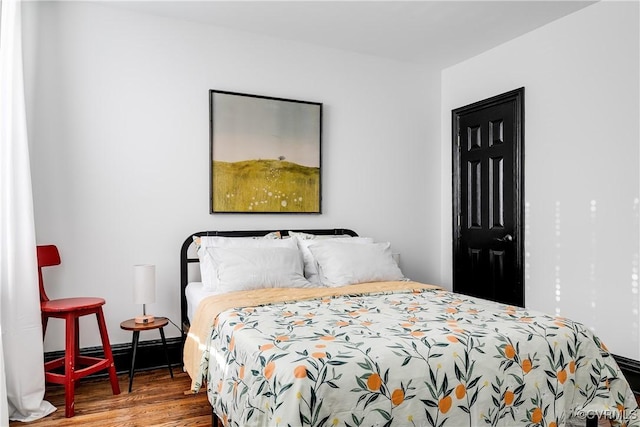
71,309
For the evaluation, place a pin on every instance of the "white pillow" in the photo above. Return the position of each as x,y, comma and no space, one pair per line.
310,264
211,240
207,243
308,236
341,263
239,269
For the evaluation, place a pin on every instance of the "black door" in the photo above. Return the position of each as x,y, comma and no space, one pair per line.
488,183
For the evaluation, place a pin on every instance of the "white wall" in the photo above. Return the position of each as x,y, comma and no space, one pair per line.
582,138
118,124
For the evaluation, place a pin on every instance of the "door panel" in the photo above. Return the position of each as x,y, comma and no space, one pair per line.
496,192
475,261
488,193
474,199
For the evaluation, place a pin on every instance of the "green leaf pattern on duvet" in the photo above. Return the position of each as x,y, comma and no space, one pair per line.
419,358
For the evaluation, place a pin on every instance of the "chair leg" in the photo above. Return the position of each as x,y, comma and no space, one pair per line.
77,343
106,346
71,335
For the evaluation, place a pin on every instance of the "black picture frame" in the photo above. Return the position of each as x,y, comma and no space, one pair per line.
265,154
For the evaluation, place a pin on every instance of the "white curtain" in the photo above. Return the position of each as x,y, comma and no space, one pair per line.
21,349
4,403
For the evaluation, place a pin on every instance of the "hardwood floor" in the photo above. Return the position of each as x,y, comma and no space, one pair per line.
156,400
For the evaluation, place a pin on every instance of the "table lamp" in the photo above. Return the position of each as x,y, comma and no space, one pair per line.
144,289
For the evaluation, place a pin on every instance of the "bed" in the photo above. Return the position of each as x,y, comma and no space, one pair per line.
381,352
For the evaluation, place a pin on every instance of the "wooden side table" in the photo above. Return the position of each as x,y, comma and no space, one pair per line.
131,325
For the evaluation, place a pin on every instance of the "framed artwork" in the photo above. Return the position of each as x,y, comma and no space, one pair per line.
265,154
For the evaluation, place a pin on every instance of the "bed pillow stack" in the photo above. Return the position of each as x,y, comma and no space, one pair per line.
230,264
343,260
348,263
306,240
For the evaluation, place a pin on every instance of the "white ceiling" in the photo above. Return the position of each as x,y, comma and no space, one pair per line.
439,33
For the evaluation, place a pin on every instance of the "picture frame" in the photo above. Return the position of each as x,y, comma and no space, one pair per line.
265,154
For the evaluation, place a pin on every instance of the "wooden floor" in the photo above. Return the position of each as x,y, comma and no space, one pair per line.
156,400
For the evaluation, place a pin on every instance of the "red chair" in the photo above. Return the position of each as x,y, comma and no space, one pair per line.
71,309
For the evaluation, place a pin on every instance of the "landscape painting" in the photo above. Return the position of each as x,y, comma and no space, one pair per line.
265,154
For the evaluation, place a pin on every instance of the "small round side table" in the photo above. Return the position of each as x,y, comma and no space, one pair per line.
131,325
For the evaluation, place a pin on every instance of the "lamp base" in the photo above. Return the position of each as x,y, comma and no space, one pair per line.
144,319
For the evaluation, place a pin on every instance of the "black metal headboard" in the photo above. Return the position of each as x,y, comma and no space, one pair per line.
185,259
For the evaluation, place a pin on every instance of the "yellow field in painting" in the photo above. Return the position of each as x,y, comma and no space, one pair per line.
265,186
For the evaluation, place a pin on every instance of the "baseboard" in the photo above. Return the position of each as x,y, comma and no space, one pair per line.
150,355
631,370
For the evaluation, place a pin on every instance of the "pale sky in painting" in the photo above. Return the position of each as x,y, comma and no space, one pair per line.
251,128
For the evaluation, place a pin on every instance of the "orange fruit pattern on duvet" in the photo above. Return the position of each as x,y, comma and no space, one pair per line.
374,382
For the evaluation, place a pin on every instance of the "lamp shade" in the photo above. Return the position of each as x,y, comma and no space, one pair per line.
144,284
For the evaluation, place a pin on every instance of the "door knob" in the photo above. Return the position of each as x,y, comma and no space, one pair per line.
507,238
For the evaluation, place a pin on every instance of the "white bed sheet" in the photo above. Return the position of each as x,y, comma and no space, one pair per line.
195,293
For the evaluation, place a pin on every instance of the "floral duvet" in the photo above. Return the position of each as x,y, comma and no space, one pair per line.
405,355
